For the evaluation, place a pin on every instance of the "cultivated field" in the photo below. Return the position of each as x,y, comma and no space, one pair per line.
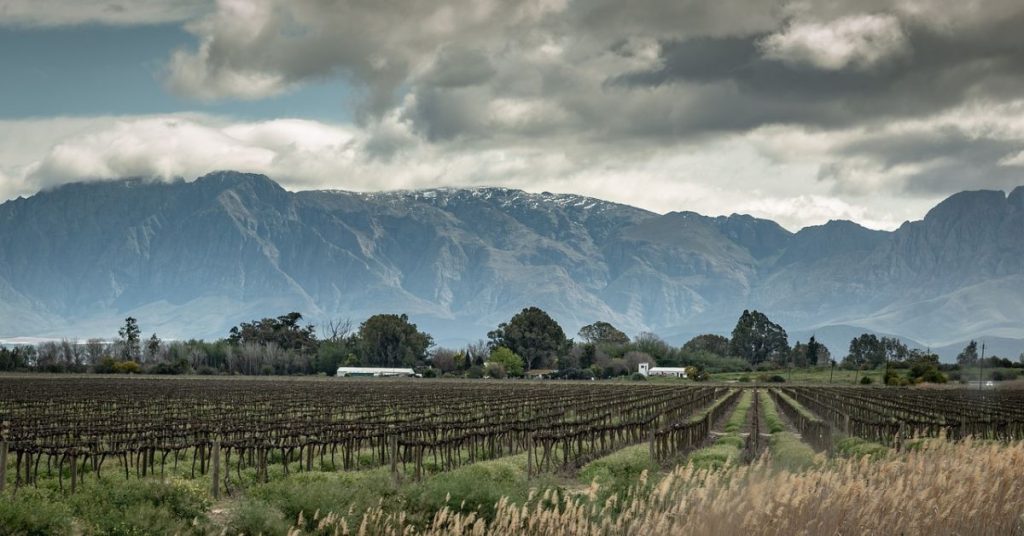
228,456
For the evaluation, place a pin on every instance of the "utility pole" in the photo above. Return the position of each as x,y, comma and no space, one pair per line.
792,357
981,368
831,371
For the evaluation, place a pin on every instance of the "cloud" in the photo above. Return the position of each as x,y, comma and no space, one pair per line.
871,110
968,147
858,41
651,71
258,48
34,13
736,174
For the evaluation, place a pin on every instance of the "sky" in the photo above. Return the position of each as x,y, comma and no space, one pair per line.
798,111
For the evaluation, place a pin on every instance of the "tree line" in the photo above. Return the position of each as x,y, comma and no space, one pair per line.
531,342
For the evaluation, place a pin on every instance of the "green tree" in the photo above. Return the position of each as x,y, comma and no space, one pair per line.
534,335
130,335
588,355
817,354
283,331
757,339
331,354
153,347
925,367
812,354
969,355
895,350
603,333
508,359
654,346
710,343
388,340
865,351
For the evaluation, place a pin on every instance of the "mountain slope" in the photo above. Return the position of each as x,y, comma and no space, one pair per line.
194,258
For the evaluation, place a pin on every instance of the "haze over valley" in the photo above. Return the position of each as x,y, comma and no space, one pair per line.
191,259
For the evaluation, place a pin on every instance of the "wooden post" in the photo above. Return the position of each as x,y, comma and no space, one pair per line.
650,440
3,463
74,471
529,454
394,456
215,469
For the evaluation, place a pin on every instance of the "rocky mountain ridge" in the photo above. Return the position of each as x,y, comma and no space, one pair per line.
191,259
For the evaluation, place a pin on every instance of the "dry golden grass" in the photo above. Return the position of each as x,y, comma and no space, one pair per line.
942,488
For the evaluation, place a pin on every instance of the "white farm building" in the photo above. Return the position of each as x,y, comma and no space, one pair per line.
676,372
374,372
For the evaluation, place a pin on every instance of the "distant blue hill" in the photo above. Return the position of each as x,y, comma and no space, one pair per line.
192,259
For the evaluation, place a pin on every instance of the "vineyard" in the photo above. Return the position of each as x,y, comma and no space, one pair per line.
137,428
235,435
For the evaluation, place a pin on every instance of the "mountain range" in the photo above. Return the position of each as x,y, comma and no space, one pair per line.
193,258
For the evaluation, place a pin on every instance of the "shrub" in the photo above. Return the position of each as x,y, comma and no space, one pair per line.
179,366
858,448
496,370
31,513
475,372
637,377
139,506
254,517
1000,376
697,374
309,493
932,375
892,378
510,362
126,367
618,472
474,488
865,380
573,374
744,379
777,379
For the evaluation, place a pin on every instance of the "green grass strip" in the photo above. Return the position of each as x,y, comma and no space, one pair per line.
721,400
770,414
728,447
799,407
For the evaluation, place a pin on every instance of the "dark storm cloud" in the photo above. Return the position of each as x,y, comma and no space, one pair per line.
884,97
946,142
941,71
458,67
942,158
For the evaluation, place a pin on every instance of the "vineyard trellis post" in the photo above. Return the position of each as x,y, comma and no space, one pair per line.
981,368
393,446
74,471
650,439
3,457
3,465
529,454
215,469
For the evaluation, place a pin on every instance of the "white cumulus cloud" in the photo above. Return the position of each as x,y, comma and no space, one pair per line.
857,41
